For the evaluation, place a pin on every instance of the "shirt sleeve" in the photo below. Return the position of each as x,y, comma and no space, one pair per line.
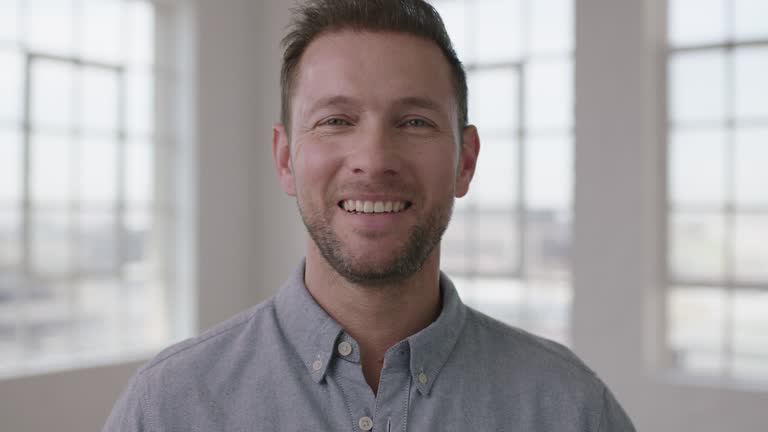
128,414
613,417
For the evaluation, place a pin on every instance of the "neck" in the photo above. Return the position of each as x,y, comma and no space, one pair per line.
379,315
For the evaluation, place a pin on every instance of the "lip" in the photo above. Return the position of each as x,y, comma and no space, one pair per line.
372,222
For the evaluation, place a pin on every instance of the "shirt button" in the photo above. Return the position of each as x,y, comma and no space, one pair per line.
345,348
422,378
365,423
317,365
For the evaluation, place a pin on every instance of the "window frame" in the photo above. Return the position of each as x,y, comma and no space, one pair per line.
169,221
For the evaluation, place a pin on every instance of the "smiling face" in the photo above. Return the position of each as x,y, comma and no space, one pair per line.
374,157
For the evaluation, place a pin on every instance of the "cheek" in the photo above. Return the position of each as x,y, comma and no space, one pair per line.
315,167
439,170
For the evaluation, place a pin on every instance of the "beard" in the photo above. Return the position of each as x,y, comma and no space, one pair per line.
405,262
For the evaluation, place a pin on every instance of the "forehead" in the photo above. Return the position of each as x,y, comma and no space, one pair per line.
376,67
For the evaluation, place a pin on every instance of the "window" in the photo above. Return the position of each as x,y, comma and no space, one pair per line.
86,158
509,243
717,239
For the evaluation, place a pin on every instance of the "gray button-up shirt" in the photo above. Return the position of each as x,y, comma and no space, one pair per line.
285,365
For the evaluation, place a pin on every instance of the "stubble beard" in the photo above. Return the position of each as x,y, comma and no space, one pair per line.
422,239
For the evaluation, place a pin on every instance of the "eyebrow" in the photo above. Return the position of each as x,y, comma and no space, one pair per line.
333,101
419,102
408,101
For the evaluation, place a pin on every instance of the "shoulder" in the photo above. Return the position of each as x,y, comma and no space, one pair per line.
225,341
538,358
522,373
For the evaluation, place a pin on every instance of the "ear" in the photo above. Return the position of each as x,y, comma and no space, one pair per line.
467,160
281,153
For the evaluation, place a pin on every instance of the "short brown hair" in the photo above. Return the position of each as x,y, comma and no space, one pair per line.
415,17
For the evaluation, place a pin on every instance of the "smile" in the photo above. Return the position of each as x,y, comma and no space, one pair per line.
358,206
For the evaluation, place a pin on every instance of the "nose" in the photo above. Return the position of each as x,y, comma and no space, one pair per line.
375,154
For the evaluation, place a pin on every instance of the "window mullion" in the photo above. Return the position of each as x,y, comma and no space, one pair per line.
26,214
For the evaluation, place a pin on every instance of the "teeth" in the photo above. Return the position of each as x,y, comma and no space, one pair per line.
373,206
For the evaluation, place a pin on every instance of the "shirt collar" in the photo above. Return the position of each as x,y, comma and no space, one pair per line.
431,347
310,330
313,333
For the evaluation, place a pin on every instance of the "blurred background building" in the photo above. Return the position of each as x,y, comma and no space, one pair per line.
620,207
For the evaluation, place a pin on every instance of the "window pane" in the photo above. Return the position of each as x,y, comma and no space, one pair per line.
144,314
9,18
697,162
10,243
49,26
549,176
51,170
97,242
551,26
751,19
47,319
98,170
750,329
99,314
493,96
547,311
494,244
454,252
101,30
11,86
9,345
696,328
52,94
697,21
697,248
500,298
751,95
548,244
751,162
140,103
11,161
453,13
549,95
135,244
697,87
100,100
751,248
495,30
139,170
495,182
141,32
481,242
51,243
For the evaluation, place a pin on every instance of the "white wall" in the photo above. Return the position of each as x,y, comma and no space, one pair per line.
246,233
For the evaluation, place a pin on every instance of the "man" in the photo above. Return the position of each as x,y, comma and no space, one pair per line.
368,334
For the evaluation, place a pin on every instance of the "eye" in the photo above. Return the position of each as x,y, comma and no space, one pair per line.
416,123
335,122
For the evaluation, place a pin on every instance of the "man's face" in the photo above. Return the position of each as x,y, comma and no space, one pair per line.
374,157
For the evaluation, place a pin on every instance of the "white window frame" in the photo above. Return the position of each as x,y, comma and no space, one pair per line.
172,236
522,133
728,284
